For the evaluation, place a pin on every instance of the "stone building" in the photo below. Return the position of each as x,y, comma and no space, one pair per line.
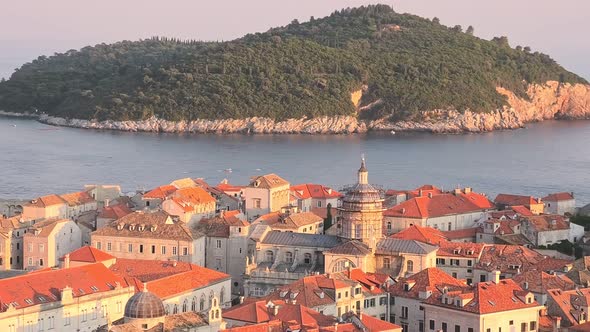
46,241
151,235
560,203
190,204
265,194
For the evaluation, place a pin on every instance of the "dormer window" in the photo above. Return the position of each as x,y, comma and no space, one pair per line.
131,227
120,226
153,228
457,251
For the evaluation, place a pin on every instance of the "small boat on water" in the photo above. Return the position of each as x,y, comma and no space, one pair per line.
392,132
13,125
227,170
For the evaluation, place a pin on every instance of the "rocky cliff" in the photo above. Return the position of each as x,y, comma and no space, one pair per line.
548,101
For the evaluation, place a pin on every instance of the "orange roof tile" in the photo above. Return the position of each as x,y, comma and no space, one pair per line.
90,255
268,181
188,198
511,200
427,279
439,205
489,297
460,249
540,282
115,211
45,201
374,324
557,197
318,191
165,278
462,233
77,198
46,286
546,222
161,192
422,234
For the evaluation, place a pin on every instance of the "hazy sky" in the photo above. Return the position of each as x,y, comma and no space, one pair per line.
29,28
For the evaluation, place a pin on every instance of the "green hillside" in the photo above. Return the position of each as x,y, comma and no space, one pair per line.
303,69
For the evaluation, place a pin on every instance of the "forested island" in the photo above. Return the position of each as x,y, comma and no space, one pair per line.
369,63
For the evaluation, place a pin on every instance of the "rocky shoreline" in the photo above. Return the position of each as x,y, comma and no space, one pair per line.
551,100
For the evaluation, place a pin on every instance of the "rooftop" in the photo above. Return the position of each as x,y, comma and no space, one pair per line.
422,234
301,239
559,197
391,245
268,181
440,205
89,254
146,224
512,200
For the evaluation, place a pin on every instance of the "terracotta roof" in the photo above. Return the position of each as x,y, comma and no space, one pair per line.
262,311
183,183
151,225
439,205
219,226
511,200
462,233
321,212
557,197
114,211
45,286
540,282
226,187
489,297
165,278
161,192
45,227
426,280
293,221
522,210
422,234
568,304
77,198
580,271
89,254
374,324
268,181
513,258
460,249
45,201
546,222
271,326
191,197
304,191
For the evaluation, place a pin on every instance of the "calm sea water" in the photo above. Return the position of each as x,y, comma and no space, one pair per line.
37,159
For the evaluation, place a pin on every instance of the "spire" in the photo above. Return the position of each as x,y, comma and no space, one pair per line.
363,173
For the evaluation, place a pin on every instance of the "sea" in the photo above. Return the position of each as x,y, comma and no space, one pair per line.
552,156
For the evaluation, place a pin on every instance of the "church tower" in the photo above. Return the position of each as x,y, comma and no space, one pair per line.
361,213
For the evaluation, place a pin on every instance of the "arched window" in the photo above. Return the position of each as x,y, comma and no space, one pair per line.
167,309
194,304
289,257
410,266
202,303
269,256
211,298
222,296
307,258
216,313
185,306
389,225
175,310
342,265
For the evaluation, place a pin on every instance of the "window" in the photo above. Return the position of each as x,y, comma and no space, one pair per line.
455,275
163,250
386,263
340,296
421,326
130,247
383,300
431,324
469,281
153,249
218,244
457,328
533,325
67,319
358,231
185,306
440,261
109,246
289,257
470,329
41,248
307,258
185,251
30,261
488,330
141,248
357,291
449,227
40,261
482,278
469,262
389,225
269,256
119,306
511,322
444,327
523,327
94,313
346,294
174,251
256,203
404,312
202,303
404,327
410,266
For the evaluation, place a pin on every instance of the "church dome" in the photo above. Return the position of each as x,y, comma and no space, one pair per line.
144,305
362,193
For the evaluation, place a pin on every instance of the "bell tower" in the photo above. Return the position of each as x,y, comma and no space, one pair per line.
361,213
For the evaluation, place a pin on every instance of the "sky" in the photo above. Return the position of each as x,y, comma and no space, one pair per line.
29,28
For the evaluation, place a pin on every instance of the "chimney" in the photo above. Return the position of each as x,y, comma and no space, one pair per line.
221,213
420,193
241,298
275,310
496,276
174,262
66,261
467,190
556,323
429,195
106,202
